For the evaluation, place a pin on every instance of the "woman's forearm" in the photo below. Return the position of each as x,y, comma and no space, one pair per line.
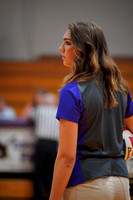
129,123
62,172
65,159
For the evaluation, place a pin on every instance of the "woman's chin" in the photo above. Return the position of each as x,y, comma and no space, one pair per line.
67,64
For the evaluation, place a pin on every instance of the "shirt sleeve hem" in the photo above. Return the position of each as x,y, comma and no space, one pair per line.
71,120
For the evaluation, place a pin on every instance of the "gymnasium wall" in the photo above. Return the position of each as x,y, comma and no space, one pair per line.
29,29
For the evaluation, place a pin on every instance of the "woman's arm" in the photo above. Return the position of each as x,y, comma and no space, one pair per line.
65,159
129,123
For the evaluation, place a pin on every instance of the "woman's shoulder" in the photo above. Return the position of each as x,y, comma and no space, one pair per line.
69,86
71,89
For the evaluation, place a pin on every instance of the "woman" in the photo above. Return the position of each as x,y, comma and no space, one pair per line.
92,106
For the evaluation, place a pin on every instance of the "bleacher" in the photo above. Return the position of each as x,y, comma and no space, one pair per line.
19,80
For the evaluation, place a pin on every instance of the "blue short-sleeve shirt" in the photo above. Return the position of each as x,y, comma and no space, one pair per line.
99,145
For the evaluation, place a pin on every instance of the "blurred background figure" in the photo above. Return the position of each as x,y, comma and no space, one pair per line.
38,99
6,112
46,131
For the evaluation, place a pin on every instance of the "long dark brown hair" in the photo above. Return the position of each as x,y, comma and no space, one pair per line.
94,61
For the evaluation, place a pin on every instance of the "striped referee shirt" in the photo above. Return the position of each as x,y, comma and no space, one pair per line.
46,124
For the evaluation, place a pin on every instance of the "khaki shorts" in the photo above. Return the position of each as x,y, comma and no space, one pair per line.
104,188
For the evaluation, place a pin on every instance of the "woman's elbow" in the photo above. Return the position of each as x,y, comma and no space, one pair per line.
68,161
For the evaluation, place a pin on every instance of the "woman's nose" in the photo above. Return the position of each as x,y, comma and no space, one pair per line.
61,48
